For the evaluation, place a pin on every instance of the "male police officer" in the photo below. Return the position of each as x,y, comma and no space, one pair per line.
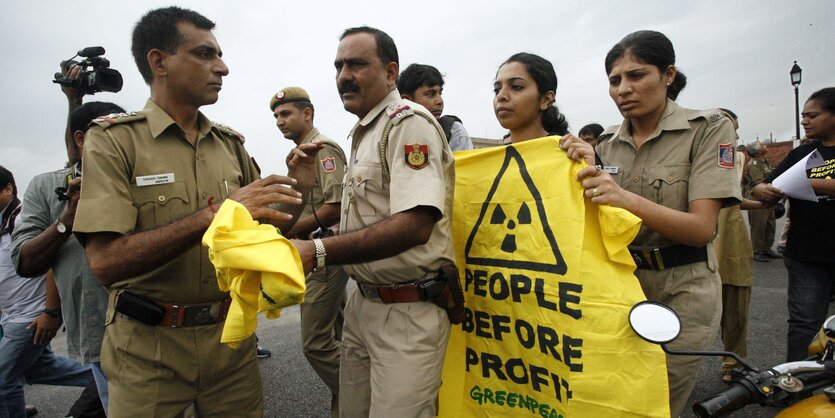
152,183
324,296
763,222
394,233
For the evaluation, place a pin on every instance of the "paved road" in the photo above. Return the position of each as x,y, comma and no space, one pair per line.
293,390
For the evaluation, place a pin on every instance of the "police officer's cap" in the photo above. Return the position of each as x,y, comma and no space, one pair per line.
289,95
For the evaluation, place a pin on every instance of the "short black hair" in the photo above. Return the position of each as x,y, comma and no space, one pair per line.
386,49
158,30
416,76
81,117
593,129
306,105
6,178
729,112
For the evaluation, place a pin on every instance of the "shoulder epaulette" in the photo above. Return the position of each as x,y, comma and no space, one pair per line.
398,111
117,119
711,115
229,131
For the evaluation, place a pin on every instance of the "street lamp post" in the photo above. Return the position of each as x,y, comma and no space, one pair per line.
795,76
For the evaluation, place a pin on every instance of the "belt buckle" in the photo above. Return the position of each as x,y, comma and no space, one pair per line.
175,316
369,291
653,257
198,315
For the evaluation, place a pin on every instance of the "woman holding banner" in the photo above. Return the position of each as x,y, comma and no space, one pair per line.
525,90
808,255
673,168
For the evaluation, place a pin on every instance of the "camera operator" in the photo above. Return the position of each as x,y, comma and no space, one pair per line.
44,239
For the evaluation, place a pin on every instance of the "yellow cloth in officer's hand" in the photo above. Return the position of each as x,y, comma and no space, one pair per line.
260,268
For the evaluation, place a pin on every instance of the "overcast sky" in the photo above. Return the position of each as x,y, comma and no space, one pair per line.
735,54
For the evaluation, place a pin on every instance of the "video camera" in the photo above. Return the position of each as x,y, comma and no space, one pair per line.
95,75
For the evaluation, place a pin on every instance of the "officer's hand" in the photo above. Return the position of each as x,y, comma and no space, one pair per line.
577,149
73,94
67,217
259,195
602,189
307,253
301,163
767,193
45,328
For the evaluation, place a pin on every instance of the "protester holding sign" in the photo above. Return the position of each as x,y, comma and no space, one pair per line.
808,255
673,168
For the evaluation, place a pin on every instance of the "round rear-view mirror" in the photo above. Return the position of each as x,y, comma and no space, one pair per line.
654,322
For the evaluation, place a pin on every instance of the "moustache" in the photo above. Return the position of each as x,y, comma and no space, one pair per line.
348,87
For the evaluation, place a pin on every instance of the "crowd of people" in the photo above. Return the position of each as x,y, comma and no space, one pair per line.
119,263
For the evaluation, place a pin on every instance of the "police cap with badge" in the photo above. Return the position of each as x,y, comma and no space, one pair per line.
289,95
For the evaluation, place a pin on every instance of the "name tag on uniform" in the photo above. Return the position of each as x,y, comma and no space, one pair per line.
155,179
611,169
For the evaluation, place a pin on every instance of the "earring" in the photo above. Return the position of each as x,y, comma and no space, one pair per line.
668,84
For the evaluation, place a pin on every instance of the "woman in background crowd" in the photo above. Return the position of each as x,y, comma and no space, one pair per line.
811,239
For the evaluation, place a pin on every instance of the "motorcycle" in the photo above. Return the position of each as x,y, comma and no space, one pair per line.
806,388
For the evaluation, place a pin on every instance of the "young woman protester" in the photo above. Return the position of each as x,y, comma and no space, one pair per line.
526,88
673,168
811,238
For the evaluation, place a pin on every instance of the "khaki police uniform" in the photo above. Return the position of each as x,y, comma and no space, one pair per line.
155,370
733,250
662,171
763,222
324,296
392,354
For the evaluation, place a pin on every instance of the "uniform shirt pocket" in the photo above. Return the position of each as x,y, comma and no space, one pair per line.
669,184
159,204
366,191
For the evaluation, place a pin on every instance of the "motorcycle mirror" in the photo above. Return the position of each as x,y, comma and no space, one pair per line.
654,322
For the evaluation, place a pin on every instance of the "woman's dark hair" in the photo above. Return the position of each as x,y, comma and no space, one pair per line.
546,79
825,98
650,47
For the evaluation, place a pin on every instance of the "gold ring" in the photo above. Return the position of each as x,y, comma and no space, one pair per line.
595,192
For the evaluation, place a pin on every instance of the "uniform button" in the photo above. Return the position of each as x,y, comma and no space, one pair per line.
635,179
89,292
161,198
203,195
670,179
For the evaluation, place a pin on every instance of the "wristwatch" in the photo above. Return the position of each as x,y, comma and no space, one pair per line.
60,226
320,254
55,313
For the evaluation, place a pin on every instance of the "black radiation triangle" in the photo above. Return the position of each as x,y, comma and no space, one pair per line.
498,216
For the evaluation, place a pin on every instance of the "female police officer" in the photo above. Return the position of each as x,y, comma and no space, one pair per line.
673,168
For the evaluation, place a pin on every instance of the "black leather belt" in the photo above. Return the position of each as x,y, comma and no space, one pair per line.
667,257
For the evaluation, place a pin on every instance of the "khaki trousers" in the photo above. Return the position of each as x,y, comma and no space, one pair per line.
391,359
763,228
156,371
735,302
321,325
694,292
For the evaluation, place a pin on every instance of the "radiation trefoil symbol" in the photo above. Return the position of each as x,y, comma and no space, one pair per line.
513,224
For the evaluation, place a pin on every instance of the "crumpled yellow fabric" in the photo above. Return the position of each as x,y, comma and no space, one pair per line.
260,269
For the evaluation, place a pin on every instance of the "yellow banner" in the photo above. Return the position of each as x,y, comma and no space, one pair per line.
548,283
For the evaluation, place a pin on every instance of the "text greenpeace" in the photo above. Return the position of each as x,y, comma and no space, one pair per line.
547,290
